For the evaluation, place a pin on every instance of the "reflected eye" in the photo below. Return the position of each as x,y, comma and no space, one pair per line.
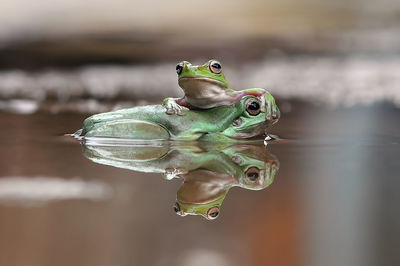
179,68
212,213
252,174
253,108
177,209
215,67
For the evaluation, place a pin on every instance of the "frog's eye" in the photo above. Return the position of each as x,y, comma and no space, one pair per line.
179,68
177,209
215,67
252,174
213,213
253,108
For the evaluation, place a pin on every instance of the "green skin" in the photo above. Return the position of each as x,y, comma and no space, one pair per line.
220,124
208,172
204,89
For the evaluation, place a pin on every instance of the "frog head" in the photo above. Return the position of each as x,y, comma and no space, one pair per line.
259,113
202,193
253,115
210,211
209,76
257,166
250,167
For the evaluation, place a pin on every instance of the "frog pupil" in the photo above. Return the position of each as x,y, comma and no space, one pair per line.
214,214
254,106
176,208
179,69
252,176
216,65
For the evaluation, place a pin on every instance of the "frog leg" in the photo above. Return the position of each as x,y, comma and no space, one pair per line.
178,106
129,129
171,173
256,92
272,111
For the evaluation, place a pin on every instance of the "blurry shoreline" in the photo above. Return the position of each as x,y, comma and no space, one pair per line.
330,80
127,48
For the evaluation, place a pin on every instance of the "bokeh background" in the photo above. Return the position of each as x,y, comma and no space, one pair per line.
336,53
333,67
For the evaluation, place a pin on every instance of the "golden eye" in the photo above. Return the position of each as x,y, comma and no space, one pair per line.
215,67
253,108
179,68
213,213
252,174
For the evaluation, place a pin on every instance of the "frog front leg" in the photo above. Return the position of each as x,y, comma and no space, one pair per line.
171,173
178,106
272,112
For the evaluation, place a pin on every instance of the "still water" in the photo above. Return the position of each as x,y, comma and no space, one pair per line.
326,195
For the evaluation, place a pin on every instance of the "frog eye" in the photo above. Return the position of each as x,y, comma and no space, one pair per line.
179,68
177,209
215,67
213,213
253,108
252,174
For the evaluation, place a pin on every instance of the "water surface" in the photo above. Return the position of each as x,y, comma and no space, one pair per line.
332,202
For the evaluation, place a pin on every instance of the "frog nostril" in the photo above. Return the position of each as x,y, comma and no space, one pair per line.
237,122
236,159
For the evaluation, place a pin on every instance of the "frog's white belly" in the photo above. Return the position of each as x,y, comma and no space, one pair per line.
205,93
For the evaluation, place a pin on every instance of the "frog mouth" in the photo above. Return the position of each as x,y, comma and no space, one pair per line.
251,131
194,80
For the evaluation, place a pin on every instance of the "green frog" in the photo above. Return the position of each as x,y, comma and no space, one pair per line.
246,118
205,87
208,171
205,188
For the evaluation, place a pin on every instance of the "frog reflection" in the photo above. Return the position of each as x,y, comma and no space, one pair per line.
208,172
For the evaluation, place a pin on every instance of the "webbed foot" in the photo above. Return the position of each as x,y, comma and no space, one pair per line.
173,107
171,173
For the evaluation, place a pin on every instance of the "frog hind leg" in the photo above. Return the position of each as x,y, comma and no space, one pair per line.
129,129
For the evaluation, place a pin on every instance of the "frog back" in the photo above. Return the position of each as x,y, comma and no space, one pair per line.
151,122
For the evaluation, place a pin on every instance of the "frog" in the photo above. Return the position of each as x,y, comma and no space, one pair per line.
207,171
204,87
204,189
246,118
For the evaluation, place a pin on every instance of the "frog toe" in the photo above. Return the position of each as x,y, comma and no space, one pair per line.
181,110
274,112
268,111
169,111
171,173
172,109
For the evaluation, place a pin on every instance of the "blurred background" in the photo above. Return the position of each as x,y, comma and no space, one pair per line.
333,67
335,53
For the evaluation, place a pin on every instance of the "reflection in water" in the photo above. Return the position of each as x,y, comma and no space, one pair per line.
208,170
